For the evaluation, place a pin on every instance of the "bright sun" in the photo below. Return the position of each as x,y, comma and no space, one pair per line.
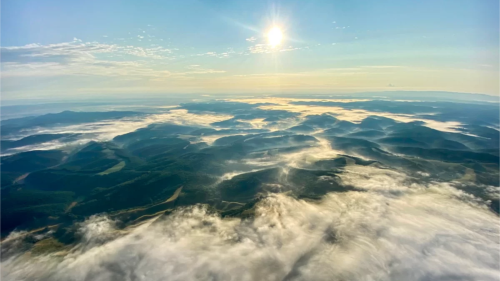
274,36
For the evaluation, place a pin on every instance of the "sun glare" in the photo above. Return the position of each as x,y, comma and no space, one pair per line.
274,36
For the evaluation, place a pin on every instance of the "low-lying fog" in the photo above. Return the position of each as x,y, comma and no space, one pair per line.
391,229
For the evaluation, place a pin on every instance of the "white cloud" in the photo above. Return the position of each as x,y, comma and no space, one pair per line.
196,69
352,115
229,52
418,234
251,39
290,48
108,129
267,49
259,48
81,58
357,115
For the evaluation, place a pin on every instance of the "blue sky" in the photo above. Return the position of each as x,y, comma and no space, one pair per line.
92,48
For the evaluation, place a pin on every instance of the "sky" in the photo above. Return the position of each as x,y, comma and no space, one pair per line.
78,49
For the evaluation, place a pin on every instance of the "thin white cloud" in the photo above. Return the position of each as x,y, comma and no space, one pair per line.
82,58
352,115
229,52
251,39
197,69
75,50
108,129
268,49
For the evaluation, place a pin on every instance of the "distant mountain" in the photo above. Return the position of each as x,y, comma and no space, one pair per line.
320,121
155,131
36,139
301,129
63,118
367,134
31,160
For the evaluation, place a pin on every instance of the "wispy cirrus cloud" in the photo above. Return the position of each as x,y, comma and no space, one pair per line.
225,54
83,67
76,50
91,58
197,69
251,39
268,49
80,58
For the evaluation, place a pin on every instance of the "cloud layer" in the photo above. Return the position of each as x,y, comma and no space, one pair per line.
108,129
420,232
